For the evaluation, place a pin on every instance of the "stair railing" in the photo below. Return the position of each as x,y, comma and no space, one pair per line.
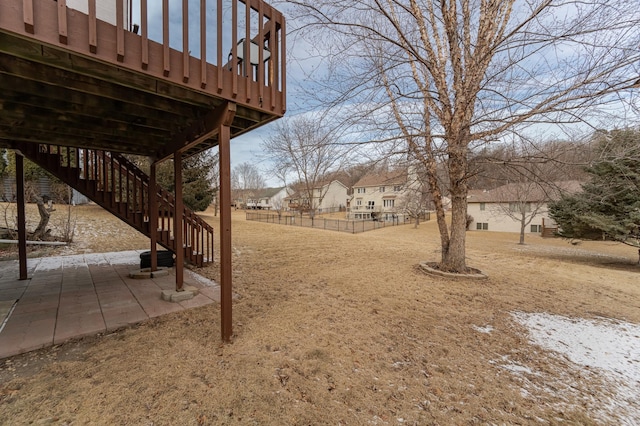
118,185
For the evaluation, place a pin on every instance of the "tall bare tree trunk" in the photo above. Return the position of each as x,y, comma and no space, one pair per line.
454,257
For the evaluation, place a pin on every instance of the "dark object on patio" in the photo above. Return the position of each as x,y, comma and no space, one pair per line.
165,258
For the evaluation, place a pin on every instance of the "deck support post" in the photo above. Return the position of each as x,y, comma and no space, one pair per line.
226,287
177,220
153,216
22,221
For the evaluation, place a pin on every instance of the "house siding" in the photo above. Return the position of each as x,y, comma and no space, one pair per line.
497,200
498,221
269,198
361,207
334,199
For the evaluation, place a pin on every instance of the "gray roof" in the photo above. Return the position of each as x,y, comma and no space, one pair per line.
524,192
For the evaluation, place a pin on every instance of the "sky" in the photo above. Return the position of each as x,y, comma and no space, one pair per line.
245,148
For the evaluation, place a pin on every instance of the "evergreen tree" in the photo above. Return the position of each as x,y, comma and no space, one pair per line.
199,185
609,204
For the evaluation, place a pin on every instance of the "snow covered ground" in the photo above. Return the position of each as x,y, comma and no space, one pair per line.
609,348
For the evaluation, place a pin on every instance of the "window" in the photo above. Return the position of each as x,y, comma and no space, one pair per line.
362,190
482,226
397,188
520,207
382,189
358,202
482,206
536,228
388,203
371,205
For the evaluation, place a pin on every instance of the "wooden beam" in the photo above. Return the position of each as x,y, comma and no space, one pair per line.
153,216
185,42
83,126
203,129
137,91
203,44
219,45
22,221
226,283
120,30
166,52
63,33
178,212
27,15
61,103
144,48
93,29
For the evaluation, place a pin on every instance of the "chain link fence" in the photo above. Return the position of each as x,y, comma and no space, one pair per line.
351,226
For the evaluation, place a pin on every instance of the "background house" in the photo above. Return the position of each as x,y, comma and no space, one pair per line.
327,197
379,196
507,207
43,186
269,198
396,195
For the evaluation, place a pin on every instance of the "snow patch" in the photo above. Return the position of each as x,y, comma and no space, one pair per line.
49,264
610,347
513,366
200,279
130,257
487,329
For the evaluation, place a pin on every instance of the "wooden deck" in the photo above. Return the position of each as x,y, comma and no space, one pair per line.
72,75
71,79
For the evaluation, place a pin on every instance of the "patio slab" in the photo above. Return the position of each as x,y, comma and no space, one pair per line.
67,297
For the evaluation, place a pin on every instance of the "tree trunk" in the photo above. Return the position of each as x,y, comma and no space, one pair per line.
522,226
454,257
45,214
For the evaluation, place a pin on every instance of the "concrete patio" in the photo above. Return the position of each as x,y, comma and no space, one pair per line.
67,297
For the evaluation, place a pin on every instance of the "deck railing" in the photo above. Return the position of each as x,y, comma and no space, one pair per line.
234,49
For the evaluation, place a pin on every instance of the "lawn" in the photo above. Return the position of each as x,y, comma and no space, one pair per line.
335,328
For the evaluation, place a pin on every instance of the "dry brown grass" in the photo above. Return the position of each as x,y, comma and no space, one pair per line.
334,328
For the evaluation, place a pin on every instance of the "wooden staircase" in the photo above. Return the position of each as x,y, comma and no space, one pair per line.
119,186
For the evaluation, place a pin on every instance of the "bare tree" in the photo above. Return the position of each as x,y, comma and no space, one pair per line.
521,201
302,149
523,161
446,76
523,178
246,180
44,210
